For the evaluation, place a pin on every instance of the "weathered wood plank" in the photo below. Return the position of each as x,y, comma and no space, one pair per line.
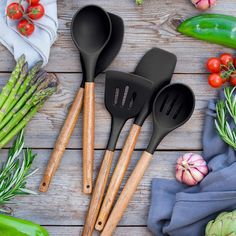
75,231
65,204
43,130
145,27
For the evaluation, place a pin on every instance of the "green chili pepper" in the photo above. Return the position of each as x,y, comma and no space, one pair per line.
10,226
214,28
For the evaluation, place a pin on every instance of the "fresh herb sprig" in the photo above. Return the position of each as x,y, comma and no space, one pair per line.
223,110
14,172
139,2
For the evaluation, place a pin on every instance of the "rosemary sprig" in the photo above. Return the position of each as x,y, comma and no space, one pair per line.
14,172
223,108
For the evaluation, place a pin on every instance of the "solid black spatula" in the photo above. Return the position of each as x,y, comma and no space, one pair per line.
125,95
158,66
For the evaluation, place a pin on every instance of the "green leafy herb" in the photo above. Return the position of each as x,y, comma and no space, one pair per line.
14,171
139,2
223,110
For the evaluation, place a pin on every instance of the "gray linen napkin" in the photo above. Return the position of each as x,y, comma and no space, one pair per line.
179,210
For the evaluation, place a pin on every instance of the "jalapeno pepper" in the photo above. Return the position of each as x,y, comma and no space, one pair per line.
215,28
10,226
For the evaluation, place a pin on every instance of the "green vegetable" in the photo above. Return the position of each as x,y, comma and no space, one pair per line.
10,226
215,28
139,2
11,82
223,225
14,173
223,110
22,97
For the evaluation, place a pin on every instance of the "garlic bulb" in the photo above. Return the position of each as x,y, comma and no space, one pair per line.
203,4
191,169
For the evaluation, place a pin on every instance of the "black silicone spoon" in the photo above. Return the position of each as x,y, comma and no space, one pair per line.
172,107
158,66
125,95
106,57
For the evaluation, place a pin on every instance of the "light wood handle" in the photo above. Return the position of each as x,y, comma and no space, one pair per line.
127,194
62,141
88,137
118,176
98,193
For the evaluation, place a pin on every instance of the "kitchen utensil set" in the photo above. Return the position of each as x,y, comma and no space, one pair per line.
98,35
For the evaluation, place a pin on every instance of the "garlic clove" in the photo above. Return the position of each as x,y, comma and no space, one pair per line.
188,178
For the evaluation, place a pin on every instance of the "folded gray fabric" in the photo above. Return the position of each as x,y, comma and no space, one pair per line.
179,210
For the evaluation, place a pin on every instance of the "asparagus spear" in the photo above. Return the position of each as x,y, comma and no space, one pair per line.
20,126
11,98
44,90
34,84
11,82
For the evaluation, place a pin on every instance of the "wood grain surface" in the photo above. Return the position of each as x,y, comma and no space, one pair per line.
62,209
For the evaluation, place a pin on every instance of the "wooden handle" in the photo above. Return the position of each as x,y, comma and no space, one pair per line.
88,137
126,194
117,176
62,140
98,193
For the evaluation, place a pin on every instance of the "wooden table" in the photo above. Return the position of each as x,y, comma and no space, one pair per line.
62,209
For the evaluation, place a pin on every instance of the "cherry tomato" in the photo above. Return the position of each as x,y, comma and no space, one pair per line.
215,80
232,79
25,27
33,2
226,58
36,12
15,11
213,65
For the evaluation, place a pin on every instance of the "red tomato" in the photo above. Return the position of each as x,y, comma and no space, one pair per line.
25,27
36,12
15,11
213,65
232,79
226,58
33,2
215,80
235,62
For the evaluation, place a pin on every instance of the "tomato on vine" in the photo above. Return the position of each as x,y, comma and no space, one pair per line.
25,27
215,80
226,58
15,11
35,12
33,2
214,65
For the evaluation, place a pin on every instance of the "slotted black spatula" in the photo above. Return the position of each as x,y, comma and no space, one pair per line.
125,95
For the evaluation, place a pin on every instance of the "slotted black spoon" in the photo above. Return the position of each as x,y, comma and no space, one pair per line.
158,66
172,107
125,95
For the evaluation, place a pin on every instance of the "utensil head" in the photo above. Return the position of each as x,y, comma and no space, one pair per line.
172,107
91,29
158,66
125,94
111,49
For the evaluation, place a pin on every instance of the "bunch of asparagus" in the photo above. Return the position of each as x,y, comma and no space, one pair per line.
22,96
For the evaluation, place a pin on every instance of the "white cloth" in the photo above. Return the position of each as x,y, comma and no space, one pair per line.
37,46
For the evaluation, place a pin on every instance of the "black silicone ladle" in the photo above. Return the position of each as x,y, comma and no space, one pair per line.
158,66
172,107
105,58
